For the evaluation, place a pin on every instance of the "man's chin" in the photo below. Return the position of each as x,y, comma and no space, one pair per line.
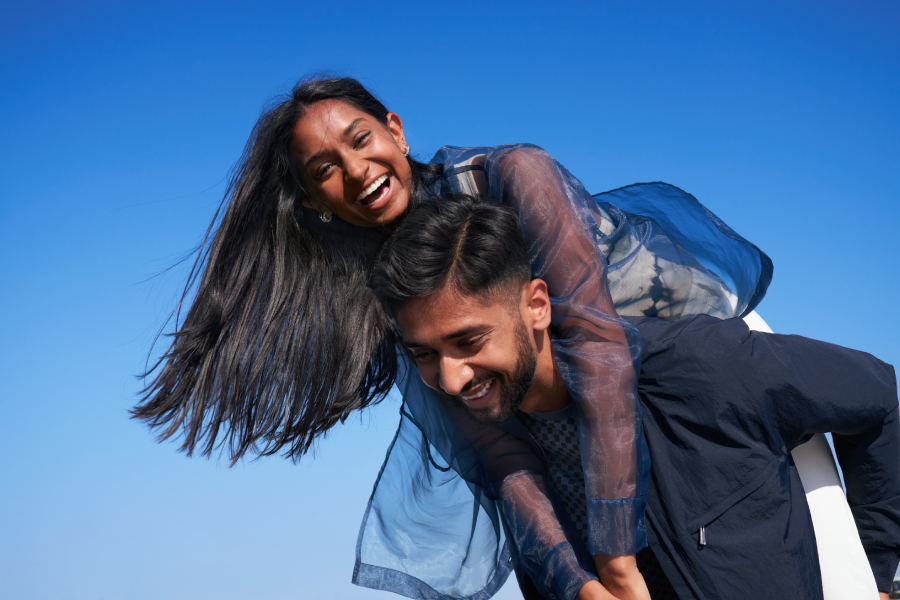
495,413
489,415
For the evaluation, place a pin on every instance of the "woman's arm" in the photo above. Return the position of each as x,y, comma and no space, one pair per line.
547,542
597,353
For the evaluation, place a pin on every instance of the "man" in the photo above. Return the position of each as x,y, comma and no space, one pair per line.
726,513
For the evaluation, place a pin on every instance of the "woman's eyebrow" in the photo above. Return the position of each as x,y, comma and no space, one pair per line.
350,127
347,131
313,158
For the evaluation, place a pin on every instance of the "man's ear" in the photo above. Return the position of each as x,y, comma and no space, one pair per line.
395,126
536,303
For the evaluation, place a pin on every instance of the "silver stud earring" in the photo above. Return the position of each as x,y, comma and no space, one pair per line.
406,152
325,216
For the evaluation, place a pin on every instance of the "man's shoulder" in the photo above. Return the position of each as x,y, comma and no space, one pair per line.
703,331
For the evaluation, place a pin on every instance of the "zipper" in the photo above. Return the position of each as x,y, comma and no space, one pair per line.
543,454
536,443
702,539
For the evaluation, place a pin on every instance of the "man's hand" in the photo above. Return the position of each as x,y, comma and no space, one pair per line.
620,576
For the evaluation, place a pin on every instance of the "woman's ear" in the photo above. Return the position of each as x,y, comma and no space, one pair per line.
395,126
537,303
314,204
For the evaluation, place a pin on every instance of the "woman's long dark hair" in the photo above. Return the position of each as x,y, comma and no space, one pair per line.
283,338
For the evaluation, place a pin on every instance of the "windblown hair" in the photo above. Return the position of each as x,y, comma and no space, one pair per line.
283,338
470,245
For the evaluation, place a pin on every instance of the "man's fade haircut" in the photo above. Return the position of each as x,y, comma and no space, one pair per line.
471,245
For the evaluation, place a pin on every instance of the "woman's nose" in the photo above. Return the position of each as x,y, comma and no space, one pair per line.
454,376
355,168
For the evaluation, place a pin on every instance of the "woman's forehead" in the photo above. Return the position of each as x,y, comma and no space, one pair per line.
326,121
329,110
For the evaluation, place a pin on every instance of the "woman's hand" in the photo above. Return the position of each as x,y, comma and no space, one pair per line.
594,590
620,576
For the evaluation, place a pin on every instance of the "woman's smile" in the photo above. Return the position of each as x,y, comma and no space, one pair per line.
368,191
377,195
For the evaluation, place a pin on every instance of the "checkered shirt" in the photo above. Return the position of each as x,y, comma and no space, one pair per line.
557,434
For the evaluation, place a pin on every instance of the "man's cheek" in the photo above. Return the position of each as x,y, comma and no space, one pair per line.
430,380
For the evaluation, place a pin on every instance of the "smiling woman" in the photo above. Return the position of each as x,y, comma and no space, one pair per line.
355,166
276,258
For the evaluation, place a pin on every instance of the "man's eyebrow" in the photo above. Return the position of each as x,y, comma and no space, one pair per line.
346,132
447,337
460,333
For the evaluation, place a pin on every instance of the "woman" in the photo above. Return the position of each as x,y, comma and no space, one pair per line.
283,338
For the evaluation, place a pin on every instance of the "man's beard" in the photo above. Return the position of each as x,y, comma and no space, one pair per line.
513,391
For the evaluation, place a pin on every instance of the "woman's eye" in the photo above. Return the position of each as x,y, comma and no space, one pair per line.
421,355
362,139
321,171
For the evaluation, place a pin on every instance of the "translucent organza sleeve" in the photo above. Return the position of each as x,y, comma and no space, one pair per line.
598,353
547,542
502,468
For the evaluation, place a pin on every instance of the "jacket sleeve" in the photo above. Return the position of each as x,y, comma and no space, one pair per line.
852,395
598,353
793,387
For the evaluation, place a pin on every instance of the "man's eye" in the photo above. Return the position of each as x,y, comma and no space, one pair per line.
473,341
422,355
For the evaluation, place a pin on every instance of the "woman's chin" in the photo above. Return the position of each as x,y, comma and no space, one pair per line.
393,212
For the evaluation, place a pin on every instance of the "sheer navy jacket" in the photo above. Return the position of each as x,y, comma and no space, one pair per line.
458,504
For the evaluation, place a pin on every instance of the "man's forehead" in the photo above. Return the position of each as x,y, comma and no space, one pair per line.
447,311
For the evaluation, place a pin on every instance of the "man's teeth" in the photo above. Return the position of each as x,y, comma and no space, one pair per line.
484,390
372,188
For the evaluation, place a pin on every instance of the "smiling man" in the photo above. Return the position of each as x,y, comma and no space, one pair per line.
722,408
485,359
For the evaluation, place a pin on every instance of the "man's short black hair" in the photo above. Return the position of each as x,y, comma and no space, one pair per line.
471,245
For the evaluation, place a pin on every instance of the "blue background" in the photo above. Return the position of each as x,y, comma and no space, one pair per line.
120,122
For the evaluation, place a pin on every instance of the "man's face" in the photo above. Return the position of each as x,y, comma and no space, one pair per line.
480,353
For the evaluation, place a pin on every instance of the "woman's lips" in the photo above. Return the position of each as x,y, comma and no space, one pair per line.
380,196
372,187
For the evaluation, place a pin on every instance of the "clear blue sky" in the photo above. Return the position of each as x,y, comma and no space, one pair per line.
119,123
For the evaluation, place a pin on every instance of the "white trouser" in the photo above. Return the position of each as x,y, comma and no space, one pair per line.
846,574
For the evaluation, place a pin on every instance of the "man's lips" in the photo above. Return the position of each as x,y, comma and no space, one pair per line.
481,395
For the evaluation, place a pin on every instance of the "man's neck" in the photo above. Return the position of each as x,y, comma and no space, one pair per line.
548,392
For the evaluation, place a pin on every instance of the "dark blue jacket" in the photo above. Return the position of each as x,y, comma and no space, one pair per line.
722,408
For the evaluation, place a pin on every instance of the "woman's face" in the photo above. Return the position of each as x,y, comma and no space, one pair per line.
354,165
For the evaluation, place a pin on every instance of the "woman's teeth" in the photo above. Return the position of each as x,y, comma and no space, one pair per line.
375,185
480,393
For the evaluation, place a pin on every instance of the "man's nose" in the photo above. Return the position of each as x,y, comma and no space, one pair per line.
455,375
